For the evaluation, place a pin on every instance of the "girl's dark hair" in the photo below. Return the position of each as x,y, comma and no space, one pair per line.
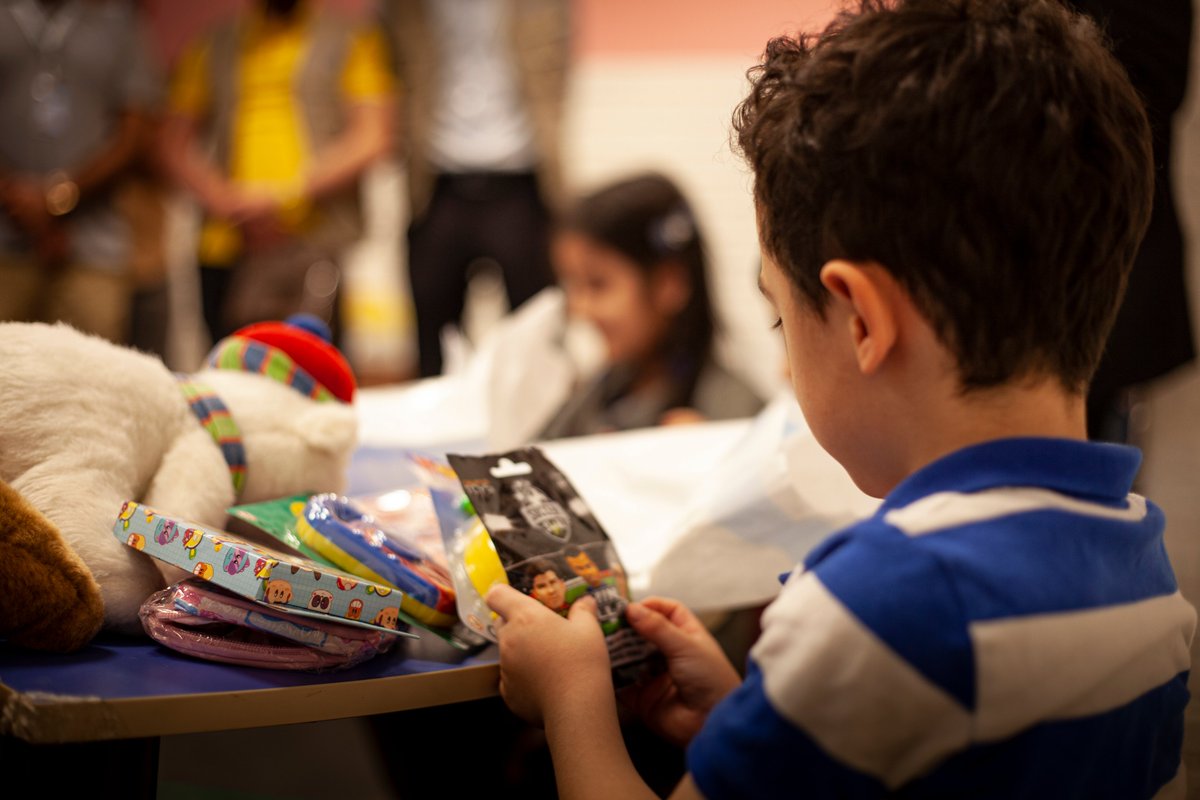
646,218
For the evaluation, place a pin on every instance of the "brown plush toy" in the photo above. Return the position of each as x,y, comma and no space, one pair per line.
48,597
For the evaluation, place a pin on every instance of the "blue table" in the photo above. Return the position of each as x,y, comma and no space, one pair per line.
127,688
94,719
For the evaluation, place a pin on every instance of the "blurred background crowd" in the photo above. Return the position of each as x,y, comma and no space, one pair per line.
412,172
402,169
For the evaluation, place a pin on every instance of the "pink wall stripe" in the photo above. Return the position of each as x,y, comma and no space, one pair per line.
606,28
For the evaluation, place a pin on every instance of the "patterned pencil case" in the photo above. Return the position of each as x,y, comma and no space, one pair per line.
202,620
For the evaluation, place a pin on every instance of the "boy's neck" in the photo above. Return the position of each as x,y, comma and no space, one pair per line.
1041,408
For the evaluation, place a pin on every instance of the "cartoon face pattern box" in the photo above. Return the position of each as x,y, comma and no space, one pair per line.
288,581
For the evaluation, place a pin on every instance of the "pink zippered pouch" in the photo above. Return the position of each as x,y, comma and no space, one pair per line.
201,620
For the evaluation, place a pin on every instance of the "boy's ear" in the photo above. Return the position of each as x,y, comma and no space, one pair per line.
873,321
670,287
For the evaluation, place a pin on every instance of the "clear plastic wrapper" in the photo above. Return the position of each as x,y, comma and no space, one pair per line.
201,620
339,529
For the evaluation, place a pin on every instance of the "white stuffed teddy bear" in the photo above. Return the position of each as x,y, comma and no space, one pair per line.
86,425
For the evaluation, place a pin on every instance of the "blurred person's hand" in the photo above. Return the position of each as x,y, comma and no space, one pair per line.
238,205
52,245
255,212
682,415
262,228
24,198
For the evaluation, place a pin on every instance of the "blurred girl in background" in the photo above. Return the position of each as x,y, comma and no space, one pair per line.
631,261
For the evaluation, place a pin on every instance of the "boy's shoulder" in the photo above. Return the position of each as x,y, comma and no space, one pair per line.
999,530
969,611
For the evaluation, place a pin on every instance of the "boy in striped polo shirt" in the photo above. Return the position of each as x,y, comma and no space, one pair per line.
950,194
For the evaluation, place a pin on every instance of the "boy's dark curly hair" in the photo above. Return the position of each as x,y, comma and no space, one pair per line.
992,155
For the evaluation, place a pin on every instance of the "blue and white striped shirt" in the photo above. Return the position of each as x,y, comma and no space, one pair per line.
1006,625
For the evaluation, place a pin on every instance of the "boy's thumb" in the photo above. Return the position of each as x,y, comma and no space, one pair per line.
584,606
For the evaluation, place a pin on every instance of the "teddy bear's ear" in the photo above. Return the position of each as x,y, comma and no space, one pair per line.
330,427
49,599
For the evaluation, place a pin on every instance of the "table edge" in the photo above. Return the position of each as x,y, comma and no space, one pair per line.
53,719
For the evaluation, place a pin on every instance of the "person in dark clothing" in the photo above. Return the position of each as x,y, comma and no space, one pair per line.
1153,331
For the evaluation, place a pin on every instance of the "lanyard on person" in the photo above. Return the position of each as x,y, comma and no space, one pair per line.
46,33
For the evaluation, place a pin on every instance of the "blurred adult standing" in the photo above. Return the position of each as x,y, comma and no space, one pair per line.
77,86
1153,331
272,120
484,85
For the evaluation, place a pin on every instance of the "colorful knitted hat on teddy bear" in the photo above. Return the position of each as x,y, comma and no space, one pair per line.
296,352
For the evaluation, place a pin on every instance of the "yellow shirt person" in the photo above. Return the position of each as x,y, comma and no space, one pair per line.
272,119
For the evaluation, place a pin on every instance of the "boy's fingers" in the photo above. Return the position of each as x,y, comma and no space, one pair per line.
657,629
663,605
675,611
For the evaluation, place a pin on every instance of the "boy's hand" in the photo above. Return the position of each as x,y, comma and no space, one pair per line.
698,676
549,665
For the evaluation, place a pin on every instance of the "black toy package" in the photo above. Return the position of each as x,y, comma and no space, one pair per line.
550,546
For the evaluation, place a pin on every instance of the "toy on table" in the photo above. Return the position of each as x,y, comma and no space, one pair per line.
336,531
342,532
290,582
402,507
86,425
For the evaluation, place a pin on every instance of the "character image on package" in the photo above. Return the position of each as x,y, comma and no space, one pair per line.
546,585
320,600
606,586
165,532
277,591
191,540
388,617
236,560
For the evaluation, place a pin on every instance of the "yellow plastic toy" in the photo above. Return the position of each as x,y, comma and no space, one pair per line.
481,560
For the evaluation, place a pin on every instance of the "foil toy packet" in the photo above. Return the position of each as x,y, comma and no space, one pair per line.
531,529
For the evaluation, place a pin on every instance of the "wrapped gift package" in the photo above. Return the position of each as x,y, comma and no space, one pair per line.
289,582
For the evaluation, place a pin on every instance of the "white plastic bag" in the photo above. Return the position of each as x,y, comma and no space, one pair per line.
494,397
